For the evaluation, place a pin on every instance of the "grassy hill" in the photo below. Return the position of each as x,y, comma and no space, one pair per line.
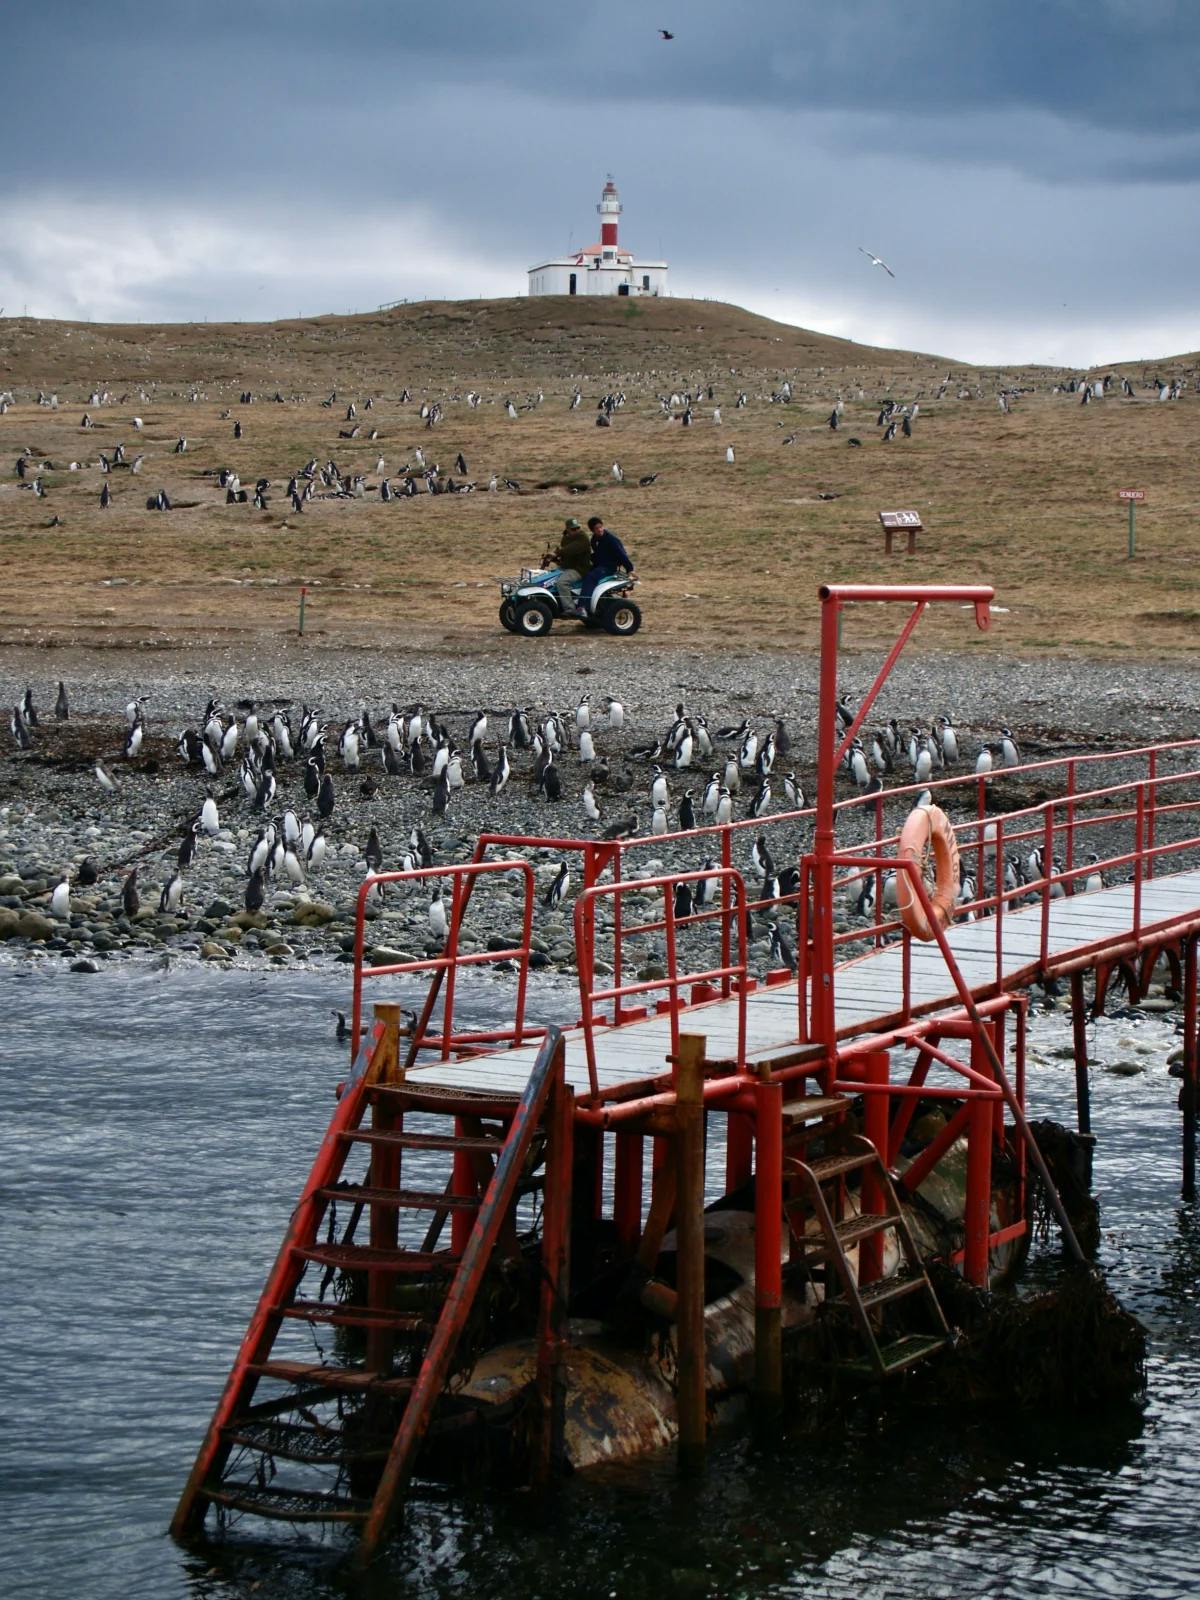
730,553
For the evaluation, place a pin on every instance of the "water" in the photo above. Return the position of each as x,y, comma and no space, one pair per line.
157,1128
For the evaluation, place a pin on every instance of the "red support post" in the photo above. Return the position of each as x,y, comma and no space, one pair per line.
977,1212
627,1189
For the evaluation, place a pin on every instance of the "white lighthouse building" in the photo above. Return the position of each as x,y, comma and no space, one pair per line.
602,268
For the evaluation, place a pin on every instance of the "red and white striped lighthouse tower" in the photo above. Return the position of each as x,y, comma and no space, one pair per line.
609,209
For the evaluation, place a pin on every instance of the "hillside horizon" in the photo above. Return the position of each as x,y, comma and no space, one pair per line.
553,336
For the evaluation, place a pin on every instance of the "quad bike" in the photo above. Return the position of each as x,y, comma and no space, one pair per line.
531,605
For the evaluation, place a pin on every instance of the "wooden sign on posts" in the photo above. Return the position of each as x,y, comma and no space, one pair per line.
908,522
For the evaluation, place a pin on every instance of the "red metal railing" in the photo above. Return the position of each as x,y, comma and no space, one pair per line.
726,973
446,965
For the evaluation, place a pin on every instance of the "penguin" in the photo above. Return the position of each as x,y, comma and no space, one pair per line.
587,748
983,761
1009,754
229,741
437,916
625,829
60,900
501,771
170,900
315,850
441,795
187,844
712,795
760,799
264,794
590,809
312,778
348,746
325,797
683,900
105,777
519,734
210,820
781,950
551,782
28,709
659,793
479,764
687,812
422,847
454,770
658,820
616,714
293,869
583,713
130,899
683,750
792,792
557,891
760,857
341,1031
766,757
88,872
373,854
748,750
256,890
704,744
724,811
706,888
1095,878
62,709
478,730
20,730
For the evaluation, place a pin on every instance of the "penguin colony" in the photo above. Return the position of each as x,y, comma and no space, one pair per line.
286,775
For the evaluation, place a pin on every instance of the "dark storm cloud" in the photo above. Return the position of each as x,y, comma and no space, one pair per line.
1022,165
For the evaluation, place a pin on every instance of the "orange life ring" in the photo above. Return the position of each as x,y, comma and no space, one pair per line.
926,827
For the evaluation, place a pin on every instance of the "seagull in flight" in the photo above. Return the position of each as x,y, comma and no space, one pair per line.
878,261
664,33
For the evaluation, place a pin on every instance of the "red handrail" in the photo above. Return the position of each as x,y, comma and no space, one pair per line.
733,909
461,874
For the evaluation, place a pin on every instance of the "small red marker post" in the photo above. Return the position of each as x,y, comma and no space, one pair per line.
1133,496
303,596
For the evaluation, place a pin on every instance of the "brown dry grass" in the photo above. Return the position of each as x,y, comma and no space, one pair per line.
728,554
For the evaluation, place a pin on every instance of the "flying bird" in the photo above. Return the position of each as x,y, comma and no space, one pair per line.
878,261
664,33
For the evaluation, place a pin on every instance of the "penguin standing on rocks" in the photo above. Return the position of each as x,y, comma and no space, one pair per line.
60,900
557,891
256,890
62,708
325,797
130,899
373,854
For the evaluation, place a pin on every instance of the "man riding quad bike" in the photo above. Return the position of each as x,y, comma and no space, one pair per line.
579,582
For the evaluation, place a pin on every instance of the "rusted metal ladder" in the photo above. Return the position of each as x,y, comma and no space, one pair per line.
864,1292
351,1430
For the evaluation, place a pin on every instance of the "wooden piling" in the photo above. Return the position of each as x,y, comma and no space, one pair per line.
1083,1093
1187,1098
555,1288
689,1232
768,1253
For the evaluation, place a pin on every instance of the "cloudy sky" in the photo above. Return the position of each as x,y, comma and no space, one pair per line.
1029,168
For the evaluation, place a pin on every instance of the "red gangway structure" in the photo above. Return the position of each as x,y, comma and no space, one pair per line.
552,1136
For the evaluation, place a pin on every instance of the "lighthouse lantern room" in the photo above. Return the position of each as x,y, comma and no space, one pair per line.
603,268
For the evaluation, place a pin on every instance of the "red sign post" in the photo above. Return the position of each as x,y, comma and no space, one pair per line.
1133,496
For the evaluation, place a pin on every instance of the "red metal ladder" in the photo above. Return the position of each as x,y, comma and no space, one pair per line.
350,1424
865,1293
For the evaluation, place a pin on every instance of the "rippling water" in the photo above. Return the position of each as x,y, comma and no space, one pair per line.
156,1130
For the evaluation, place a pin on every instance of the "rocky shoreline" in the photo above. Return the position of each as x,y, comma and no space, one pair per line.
54,812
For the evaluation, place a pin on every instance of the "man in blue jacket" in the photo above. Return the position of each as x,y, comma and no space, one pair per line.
608,556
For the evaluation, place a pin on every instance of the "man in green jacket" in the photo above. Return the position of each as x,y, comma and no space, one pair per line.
573,558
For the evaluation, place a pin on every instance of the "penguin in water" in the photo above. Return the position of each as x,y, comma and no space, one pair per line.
341,1031
557,891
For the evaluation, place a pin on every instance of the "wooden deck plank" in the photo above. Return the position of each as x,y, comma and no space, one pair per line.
868,988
